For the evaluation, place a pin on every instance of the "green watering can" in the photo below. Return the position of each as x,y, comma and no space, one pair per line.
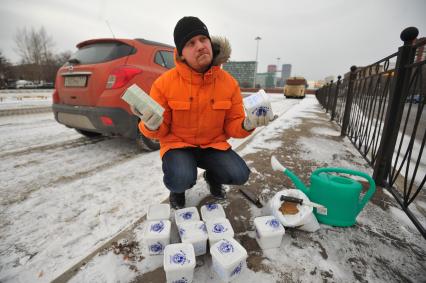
339,195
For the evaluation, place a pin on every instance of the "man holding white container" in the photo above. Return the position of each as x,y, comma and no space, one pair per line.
201,108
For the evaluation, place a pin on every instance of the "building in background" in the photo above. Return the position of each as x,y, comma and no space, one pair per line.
312,85
261,79
272,69
242,71
271,78
266,80
285,72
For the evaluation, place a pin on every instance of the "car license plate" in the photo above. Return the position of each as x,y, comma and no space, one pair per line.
75,81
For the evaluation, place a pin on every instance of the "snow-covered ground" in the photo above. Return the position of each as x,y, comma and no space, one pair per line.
63,195
330,255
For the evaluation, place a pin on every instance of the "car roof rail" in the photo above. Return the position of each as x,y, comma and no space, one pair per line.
150,42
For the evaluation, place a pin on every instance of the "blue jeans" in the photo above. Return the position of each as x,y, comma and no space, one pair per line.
222,167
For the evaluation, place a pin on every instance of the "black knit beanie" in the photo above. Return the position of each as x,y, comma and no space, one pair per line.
185,29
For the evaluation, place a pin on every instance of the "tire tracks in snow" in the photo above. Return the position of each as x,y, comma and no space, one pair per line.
31,186
59,145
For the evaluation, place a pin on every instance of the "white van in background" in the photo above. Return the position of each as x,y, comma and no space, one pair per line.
21,83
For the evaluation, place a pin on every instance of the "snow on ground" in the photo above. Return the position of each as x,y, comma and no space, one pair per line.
99,269
63,195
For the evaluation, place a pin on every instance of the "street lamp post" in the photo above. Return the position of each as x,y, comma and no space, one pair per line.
258,38
278,70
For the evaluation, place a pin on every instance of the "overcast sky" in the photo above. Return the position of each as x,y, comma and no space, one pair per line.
318,37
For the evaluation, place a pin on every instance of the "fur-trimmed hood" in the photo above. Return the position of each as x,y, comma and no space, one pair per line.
221,51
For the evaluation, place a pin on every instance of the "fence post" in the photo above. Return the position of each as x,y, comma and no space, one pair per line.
395,108
329,93
349,98
333,107
324,94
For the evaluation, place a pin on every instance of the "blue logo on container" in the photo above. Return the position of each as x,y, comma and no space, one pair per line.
219,228
181,232
187,215
226,247
273,223
182,280
179,258
237,269
211,206
156,248
261,111
157,227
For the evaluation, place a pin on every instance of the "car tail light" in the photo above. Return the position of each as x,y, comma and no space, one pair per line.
121,76
107,121
55,97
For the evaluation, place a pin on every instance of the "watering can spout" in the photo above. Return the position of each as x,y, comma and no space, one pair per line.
277,166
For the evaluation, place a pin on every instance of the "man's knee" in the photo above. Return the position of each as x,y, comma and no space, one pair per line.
180,180
241,176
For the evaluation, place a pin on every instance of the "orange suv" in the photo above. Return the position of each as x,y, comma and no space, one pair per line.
89,86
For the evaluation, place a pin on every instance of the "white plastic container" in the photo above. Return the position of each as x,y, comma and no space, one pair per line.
135,96
258,104
195,233
269,232
179,262
212,211
160,211
228,259
157,236
186,214
218,229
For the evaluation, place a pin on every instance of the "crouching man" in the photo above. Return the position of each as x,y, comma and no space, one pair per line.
203,109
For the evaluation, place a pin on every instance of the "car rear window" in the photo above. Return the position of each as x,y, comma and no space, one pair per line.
102,52
165,59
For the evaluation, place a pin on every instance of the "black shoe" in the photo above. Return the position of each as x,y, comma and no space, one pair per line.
216,190
177,200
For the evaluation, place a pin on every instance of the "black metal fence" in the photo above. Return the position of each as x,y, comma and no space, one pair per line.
380,108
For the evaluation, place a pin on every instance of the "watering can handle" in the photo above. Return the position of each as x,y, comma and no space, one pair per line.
371,189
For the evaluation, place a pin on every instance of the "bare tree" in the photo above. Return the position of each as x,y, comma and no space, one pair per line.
5,70
34,47
63,57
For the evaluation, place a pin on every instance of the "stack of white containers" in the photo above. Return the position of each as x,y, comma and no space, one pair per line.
218,226
228,256
191,229
157,230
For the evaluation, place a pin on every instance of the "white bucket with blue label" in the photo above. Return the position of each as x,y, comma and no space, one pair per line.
228,259
179,262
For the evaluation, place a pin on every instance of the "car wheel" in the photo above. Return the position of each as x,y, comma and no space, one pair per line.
88,133
145,143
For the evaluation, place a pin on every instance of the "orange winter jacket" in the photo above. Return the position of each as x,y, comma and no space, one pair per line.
201,110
